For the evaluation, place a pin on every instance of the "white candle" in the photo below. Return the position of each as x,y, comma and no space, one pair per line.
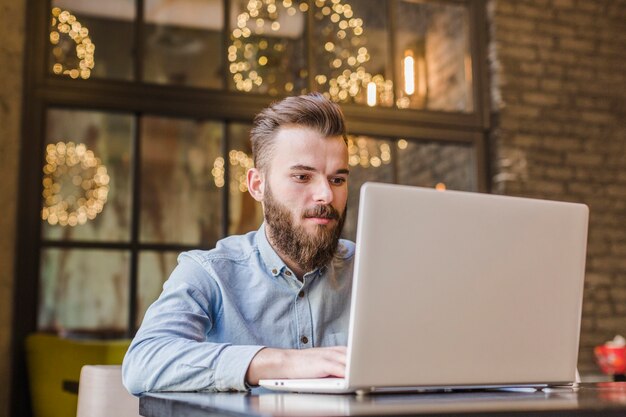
409,75
371,94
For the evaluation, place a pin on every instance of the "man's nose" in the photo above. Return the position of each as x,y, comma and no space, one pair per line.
323,192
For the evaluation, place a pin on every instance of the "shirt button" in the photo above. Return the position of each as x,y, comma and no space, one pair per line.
274,271
301,294
288,273
304,340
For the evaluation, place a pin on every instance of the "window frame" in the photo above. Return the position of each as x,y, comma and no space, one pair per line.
43,90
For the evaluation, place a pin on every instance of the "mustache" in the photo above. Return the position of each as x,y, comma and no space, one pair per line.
322,211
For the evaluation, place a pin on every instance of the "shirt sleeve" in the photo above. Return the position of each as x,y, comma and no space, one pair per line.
170,351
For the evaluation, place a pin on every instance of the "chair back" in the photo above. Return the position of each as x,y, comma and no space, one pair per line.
101,393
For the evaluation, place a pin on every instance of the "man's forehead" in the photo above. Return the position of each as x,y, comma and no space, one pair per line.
299,146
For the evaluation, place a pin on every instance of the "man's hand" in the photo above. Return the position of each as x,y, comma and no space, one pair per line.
297,363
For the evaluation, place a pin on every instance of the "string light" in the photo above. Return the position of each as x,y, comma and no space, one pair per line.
366,154
75,185
241,161
251,62
347,56
344,49
65,22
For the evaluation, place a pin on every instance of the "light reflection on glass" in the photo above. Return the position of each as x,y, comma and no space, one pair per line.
83,290
180,202
183,42
436,36
433,164
154,269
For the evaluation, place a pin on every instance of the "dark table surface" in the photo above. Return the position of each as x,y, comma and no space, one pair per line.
598,399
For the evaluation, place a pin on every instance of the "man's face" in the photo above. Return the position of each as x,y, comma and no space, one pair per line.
305,195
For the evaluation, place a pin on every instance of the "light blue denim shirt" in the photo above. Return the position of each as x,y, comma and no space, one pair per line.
220,307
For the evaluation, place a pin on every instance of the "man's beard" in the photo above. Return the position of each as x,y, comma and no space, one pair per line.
308,250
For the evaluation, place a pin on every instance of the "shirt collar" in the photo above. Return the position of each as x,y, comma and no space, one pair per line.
272,261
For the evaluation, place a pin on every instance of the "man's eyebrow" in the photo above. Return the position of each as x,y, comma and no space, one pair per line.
301,167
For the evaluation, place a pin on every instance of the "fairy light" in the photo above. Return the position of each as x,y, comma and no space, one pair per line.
251,62
63,22
367,154
75,185
241,161
344,49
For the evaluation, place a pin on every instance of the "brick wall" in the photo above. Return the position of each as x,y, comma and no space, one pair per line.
558,74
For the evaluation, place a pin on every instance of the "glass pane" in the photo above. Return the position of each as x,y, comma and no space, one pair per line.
84,291
183,42
180,201
154,270
351,50
91,38
246,213
447,166
266,52
432,56
87,176
370,160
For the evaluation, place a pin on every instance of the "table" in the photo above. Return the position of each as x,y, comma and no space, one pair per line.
592,399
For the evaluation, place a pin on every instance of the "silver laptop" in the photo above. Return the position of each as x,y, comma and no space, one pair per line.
461,290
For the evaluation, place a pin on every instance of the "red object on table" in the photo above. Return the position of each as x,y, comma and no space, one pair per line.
612,359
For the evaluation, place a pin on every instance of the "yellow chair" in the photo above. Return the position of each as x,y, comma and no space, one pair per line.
54,366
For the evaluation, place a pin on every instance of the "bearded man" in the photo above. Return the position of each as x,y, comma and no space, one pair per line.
273,303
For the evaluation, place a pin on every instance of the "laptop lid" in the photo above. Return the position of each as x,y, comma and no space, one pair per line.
465,289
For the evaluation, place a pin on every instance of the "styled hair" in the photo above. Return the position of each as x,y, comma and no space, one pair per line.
310,110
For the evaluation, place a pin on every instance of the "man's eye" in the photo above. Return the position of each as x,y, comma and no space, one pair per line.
338,181
301,177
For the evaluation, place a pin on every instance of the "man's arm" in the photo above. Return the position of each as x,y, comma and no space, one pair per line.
170,351
293,363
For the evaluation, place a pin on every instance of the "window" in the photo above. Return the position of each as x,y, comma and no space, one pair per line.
136,144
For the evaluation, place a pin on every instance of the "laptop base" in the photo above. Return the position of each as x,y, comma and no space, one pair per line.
340,386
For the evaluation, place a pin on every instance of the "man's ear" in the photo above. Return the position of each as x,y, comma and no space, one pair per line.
256,184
